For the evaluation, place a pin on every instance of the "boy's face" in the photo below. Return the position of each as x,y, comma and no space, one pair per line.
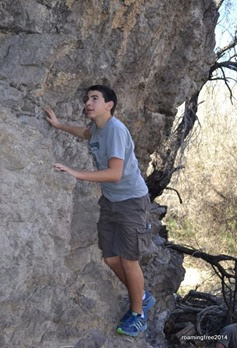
95,105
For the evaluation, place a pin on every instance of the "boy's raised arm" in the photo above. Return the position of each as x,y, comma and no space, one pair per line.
81,132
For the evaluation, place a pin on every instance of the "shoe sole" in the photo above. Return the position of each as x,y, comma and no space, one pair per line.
132,334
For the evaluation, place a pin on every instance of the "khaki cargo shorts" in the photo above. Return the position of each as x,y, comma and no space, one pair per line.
124,227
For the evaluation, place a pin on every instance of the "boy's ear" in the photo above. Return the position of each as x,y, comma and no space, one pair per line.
110,104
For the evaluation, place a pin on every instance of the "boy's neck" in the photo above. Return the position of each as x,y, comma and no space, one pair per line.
101,121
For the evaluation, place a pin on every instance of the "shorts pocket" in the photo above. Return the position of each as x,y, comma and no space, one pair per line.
144,239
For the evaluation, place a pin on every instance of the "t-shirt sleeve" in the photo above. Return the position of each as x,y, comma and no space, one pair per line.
116,143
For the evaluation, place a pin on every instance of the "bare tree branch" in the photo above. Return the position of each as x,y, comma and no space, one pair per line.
218,65
227,64
211,259
227,85
220,52
172,189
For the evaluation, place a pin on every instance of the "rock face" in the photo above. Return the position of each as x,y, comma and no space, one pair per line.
55,290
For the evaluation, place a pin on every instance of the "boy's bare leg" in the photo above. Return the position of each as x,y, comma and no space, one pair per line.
130,274
115,264
135,283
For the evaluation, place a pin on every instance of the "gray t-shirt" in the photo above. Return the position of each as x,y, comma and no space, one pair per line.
114,140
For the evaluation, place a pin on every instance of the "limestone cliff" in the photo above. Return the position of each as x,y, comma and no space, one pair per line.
55,290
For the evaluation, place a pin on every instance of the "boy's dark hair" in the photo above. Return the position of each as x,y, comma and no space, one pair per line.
107,92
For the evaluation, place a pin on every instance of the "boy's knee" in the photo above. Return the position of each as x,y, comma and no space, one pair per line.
112,262
129,263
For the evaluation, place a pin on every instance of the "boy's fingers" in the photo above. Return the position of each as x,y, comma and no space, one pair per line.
59,167
46,109
49,111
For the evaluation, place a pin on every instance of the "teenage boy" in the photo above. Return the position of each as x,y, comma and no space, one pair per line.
123,227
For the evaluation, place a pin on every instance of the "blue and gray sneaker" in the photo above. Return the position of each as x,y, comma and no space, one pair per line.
132,326
147,304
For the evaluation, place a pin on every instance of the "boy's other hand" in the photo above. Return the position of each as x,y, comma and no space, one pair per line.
60,167
51,118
